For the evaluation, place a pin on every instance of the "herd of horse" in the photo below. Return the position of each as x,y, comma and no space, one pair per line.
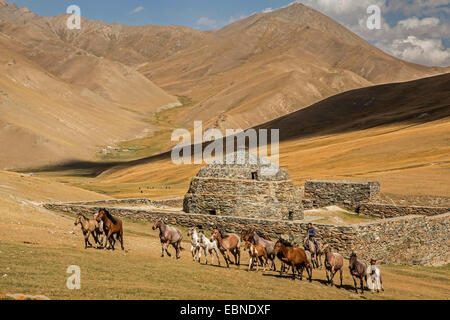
106,229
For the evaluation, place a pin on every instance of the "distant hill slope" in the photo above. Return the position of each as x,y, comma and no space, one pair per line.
419,101
60,103
395,133
68,92
268,65
247,73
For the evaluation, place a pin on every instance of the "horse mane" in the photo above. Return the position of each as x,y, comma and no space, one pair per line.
110,217
83,216
285,242
223,235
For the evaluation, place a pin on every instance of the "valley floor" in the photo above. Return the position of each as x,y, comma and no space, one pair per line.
36,248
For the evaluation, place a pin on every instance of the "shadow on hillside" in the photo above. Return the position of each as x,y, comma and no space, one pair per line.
411,103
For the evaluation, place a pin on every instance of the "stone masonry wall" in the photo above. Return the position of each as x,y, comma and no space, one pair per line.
176,202
249,198
380,210
350,194
403,240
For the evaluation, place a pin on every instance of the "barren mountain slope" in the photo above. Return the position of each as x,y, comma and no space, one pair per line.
247,73
397,134
59,103
268,65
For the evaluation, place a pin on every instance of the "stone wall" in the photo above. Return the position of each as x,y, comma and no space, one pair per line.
417,240
403,240
244,198
350,194
176,202
380,210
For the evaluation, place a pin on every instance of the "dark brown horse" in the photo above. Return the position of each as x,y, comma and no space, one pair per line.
358,270
228,243
253,237
296,258
111,226
169,236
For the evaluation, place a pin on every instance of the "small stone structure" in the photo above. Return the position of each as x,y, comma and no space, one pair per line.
244,185
350,194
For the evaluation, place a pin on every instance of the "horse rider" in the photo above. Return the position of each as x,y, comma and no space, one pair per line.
311,233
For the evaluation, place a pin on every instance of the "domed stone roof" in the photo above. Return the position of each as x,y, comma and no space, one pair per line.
244,165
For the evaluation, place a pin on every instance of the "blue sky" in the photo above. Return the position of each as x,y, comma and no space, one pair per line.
413,30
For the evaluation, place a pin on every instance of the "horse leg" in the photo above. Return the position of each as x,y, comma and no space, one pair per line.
234,253
238,252
199,251
121,239
362,285
354,282
310,273
162,250
166,248
224,257
333,272
381,283
178,250
328,278
85,239
217,254
206,256
341,276
293,271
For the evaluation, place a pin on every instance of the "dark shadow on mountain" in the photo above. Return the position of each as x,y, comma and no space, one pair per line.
411,103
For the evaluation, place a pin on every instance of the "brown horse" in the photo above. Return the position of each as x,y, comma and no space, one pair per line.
168,236
257,254
112,226
334,262
89,227
358,270
252,236
228,243
296,258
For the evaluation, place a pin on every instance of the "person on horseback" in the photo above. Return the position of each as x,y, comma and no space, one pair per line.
311,234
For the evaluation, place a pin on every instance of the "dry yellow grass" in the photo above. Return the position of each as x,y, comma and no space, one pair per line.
139,272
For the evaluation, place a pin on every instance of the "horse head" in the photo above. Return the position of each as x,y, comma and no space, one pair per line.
100,215
77,220
352,260
247,245
157,224
191,231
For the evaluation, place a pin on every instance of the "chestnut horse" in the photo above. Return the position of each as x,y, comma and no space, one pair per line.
168,236
228,243
296,258
112,226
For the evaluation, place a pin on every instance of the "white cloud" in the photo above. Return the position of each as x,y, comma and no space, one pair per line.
414,22
423,51
136,10
267,10
418,38
205,21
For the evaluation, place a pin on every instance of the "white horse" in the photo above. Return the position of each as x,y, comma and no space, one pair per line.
374,282
195,244
208,247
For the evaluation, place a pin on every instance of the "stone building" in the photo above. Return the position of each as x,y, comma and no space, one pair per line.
240,185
